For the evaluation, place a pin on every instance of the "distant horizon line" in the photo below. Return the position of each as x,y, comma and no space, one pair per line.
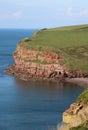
23,28
43,27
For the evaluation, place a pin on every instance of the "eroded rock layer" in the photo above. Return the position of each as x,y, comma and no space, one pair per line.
38,64
76,117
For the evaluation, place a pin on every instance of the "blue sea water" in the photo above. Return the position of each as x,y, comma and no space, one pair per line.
33,105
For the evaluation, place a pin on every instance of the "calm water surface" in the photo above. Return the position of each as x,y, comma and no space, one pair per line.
33,105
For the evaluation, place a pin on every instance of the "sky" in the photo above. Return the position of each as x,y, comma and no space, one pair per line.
42,13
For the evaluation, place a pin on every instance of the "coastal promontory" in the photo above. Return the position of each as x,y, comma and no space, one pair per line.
76,117
57,53
52,53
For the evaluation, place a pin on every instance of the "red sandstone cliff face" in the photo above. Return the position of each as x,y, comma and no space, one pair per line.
32,63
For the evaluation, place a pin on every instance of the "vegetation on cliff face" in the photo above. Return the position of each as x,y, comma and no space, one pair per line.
76,117
83,98
70,42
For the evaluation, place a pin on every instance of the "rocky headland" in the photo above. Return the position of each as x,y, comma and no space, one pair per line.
76,117
55,54
51,54
36,64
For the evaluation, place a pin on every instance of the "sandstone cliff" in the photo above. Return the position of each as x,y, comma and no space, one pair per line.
49,54
76,117
33,63
30,63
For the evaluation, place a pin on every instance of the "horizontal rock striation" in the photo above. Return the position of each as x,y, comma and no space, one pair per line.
36,64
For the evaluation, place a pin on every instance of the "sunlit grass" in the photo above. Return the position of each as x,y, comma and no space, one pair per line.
70,42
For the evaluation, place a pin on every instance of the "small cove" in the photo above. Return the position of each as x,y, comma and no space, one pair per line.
32,105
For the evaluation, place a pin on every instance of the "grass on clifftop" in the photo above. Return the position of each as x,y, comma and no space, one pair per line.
71,42
83,98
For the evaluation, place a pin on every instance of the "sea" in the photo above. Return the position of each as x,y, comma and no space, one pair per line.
30,105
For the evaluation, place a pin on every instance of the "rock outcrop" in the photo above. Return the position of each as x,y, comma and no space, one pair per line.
77,115
30,63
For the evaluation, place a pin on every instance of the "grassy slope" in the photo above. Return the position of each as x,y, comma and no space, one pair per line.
83,99
71,42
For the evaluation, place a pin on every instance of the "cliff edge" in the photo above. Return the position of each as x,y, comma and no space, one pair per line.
52,53
30,63
76,117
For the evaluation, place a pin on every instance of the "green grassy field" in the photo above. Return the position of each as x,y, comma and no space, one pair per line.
71,42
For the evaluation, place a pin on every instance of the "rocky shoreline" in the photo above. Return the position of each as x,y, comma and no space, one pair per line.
46,65
80,81
40,65
70,77
76,117
37,62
